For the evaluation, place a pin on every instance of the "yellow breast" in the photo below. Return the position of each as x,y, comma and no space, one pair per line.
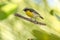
30,14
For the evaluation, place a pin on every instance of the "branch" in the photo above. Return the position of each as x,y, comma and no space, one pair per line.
35,22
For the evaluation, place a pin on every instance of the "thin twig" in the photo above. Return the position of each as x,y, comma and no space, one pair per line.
28,19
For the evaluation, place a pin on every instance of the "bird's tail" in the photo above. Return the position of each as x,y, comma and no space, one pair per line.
41,17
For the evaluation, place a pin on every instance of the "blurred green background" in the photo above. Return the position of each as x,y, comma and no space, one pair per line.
15,28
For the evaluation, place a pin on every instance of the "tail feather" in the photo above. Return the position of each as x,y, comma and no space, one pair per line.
41,17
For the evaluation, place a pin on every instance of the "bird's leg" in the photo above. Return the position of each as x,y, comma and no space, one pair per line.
35,19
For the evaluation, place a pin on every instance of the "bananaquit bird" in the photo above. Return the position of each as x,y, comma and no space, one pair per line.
32,13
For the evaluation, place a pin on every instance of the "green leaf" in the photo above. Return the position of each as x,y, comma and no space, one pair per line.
52,12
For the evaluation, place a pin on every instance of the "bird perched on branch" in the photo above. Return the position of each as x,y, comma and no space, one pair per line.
32,13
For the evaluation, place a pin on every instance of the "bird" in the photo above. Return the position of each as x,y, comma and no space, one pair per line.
32,13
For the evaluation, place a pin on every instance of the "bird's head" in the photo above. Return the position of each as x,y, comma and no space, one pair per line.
26,9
